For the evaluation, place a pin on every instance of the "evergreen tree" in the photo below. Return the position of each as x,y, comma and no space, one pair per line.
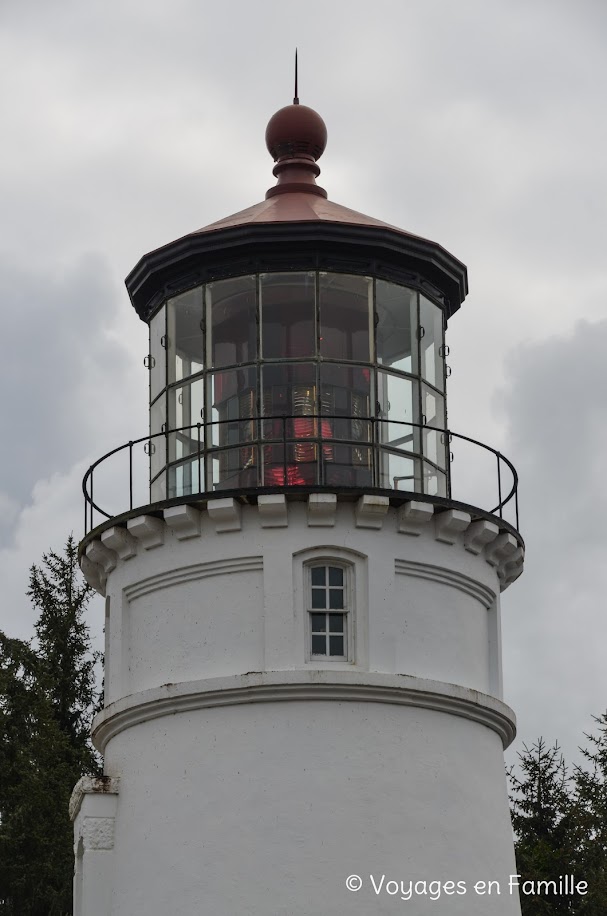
591,796
47,692
546,826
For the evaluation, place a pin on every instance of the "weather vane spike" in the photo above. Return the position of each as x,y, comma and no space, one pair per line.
296,97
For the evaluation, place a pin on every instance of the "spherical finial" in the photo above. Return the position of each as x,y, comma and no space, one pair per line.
295,131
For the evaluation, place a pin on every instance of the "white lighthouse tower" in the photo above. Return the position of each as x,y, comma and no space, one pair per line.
303,695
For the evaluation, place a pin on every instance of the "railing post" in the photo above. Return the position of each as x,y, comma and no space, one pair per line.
92,500
499,482
198,425
130,475
284,451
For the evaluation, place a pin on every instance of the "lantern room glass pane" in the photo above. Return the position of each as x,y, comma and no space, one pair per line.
186,478
398,410
186,409
432,343
435,482
433,408
158,444
288,310
289,390
399,472
345,317
233,468
184,334
231,321
396,331
345,391
158,370
233,398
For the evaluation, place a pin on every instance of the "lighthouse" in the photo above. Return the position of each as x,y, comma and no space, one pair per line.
303,708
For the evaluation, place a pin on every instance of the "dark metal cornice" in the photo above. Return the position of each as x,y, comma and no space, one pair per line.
382,251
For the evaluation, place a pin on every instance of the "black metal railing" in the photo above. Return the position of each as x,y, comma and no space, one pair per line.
283,452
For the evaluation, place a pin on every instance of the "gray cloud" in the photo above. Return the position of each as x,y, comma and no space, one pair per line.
476,124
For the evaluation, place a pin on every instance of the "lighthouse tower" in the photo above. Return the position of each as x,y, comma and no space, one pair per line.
303,695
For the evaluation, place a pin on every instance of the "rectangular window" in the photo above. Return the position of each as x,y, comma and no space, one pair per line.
327,607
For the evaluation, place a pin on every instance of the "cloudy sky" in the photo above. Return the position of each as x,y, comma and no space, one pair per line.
478,123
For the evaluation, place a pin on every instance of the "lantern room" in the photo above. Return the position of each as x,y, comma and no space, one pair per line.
297,343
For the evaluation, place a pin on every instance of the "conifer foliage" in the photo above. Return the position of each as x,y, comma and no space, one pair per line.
47,695
559,817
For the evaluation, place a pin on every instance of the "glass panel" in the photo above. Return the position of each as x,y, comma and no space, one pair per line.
184,331
397,402
231,321
234,468
288,308
319,623
298,468
158,489
289,389
345,317
399,472
431,320
336,645
158,372
336,575
336,623
336,598
433,408
158,445
347,466
345,391
233,396
435,482
319,598
186,478
186,408
318,575
396,336
319,645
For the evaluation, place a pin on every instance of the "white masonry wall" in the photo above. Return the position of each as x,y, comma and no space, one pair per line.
255,780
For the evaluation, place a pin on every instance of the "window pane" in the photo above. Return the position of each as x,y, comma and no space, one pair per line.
336,623
186,408
435,482
345,317
158,445
185,478
399,472
431,319
319,598
233,397
319,645
336,598
336,575
397,400
232,321
396,308
288,309
289,389
318,575
347,466
158,376
233,468
336,645
319,623
433,407
158,490
184,332
345,391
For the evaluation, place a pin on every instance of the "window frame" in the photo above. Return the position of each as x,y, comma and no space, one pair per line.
347,612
